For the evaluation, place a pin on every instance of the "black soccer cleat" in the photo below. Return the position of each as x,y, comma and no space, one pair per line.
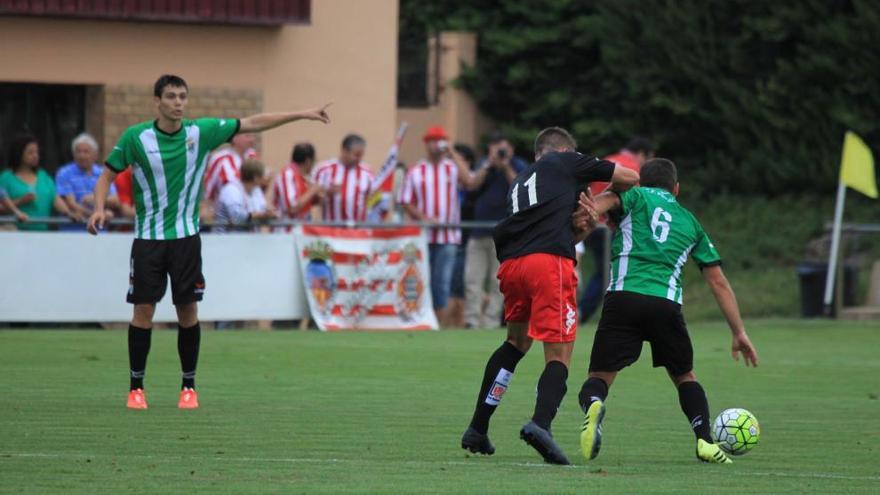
476,442
542,441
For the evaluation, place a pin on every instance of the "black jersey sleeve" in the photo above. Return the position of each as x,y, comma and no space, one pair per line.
586,168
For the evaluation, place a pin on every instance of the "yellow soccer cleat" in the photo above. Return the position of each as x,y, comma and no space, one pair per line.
709,452
591,432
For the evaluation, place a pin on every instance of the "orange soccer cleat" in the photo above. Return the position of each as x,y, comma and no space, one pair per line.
189,399
136,399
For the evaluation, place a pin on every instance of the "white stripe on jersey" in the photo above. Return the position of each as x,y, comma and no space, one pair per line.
284,191
224,166
284,195
354,185
433,190
142,230
674,293
150,142
184,225
623,259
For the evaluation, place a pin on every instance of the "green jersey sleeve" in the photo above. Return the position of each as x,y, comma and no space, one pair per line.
214,132
629,199
704,252
121,155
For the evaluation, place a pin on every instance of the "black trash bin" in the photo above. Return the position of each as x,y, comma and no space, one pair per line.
812,276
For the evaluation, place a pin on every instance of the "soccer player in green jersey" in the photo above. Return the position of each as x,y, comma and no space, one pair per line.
654,239
168,158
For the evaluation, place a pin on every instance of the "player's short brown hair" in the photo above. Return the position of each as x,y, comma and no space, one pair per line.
554,139
252,170
659,172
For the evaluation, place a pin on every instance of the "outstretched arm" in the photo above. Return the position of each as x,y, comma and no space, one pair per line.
726,300
623,178
590,209
265,121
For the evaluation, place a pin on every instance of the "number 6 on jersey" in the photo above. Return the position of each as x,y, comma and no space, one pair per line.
660,220
531,185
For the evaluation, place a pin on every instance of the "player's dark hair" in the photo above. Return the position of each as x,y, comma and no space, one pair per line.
252,170
659,172
352,140
168,80
553,139
16,149
639,144
302,152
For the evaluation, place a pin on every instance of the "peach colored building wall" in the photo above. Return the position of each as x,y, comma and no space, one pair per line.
455,110
347,55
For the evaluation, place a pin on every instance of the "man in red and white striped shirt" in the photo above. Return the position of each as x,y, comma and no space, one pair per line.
224,165
293,192
430,194
346,182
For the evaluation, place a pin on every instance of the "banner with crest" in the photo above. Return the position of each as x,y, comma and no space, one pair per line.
366,279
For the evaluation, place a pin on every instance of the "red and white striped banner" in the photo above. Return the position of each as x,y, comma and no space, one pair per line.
366,279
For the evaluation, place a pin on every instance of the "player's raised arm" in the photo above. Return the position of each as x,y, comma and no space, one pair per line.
265,121
726,300
623,178
102,189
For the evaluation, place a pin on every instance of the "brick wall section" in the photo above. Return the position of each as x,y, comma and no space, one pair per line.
126,105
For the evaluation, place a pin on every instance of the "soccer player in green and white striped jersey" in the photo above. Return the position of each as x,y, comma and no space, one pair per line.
654,239
168,158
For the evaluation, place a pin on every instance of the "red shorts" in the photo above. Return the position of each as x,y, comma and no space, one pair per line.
539,289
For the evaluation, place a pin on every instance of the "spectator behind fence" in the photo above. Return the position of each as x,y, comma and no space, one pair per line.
456,303
637,151
242,201
29,186
430,194
293,193
483,300
76,180
346,181
224,164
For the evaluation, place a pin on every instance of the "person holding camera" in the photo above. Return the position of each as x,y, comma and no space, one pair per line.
483,300
430,194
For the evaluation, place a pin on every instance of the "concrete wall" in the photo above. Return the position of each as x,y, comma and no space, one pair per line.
347,55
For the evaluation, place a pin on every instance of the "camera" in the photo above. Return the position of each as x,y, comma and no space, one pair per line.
502,153
442,145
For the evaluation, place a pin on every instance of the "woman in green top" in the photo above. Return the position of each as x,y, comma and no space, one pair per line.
29,186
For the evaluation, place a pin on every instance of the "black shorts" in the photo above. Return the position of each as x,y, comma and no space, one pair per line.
152,262
629,319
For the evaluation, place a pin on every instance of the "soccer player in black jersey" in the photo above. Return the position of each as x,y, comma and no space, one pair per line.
535,245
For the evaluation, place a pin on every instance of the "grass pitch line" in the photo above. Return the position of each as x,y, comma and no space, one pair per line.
311,460
286,460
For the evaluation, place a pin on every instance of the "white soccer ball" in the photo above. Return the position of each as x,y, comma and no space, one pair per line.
736,431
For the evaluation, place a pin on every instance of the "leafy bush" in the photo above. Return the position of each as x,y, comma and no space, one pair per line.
747,97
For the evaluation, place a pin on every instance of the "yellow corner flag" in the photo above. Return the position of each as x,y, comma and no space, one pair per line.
857,166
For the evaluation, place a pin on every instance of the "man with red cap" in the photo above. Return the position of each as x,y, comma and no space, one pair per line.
430,194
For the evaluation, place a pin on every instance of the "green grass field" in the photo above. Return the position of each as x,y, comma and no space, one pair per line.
306,412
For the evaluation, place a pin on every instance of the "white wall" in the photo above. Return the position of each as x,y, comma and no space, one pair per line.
77,277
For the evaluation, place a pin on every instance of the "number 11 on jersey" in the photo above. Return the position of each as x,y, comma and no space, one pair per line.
531,185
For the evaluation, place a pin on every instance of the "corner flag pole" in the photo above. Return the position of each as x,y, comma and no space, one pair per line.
857,172
835,247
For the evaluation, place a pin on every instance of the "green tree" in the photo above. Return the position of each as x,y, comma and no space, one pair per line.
747,97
